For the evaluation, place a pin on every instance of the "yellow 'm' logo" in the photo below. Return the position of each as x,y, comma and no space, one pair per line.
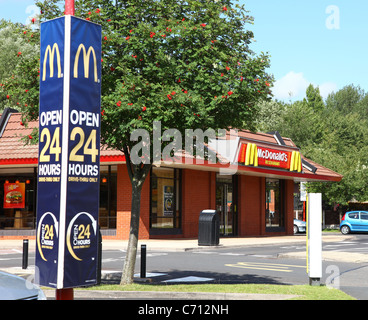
251,157
51,54
86,58
296,162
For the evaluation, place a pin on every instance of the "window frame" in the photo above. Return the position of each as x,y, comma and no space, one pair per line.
177,197
281,205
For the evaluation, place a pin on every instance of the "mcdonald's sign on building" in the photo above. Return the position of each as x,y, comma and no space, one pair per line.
69,153
253,155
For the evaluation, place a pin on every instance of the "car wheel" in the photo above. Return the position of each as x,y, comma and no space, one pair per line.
296,229
345,230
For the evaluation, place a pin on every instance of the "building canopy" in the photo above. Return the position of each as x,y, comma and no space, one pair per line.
240,152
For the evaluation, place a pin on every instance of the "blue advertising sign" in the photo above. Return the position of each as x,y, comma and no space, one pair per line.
69,153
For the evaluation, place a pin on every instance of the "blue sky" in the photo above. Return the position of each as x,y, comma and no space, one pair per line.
323,42
17,10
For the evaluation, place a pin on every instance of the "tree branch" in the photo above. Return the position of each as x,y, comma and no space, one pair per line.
128,162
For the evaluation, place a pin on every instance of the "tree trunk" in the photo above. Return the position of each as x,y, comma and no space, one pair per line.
129,265
137,174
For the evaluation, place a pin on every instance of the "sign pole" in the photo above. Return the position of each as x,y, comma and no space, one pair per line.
314,238
69,154
69,7
66,293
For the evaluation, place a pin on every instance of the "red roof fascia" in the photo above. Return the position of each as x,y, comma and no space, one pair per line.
264,171
22,161
4,162
120,158
285,173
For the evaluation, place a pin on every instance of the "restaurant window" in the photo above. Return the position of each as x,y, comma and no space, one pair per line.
17,202
274,205
299,205
165,213
108,197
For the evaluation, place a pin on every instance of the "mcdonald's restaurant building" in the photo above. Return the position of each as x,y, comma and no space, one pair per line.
258,198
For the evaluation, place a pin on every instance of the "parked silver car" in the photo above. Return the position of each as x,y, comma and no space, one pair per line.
300,226
13,287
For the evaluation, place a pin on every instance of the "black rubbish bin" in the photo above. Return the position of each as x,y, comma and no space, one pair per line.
209,228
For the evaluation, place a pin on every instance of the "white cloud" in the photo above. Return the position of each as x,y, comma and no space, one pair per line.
326,88
293,85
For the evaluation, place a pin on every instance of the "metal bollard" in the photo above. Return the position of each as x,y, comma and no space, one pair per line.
143,260
25,254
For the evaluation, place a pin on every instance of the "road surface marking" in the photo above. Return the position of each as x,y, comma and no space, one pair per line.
264,266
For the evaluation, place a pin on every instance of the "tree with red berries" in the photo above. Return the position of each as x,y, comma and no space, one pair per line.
13,49
183,64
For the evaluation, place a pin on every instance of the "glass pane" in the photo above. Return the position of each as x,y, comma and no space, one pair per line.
224,203
354,215
165,198
108,197
364,216
23,217
220,206
274,214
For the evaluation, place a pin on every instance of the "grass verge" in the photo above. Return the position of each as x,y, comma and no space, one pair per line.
305,292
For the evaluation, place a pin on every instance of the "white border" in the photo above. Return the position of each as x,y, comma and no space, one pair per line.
64,155
314,235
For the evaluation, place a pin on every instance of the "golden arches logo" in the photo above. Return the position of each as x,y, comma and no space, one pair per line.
50,52
251,157
86,58
296,162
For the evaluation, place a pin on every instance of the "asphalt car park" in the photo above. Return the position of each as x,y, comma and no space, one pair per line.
345,262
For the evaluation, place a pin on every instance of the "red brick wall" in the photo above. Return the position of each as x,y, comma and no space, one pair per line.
124,199
251,206
289,206
198,193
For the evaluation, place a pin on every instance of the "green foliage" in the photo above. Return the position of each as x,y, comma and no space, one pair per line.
185,63
314,99
16,47
333,133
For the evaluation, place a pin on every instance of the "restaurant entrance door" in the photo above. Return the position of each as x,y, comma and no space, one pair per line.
225,206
